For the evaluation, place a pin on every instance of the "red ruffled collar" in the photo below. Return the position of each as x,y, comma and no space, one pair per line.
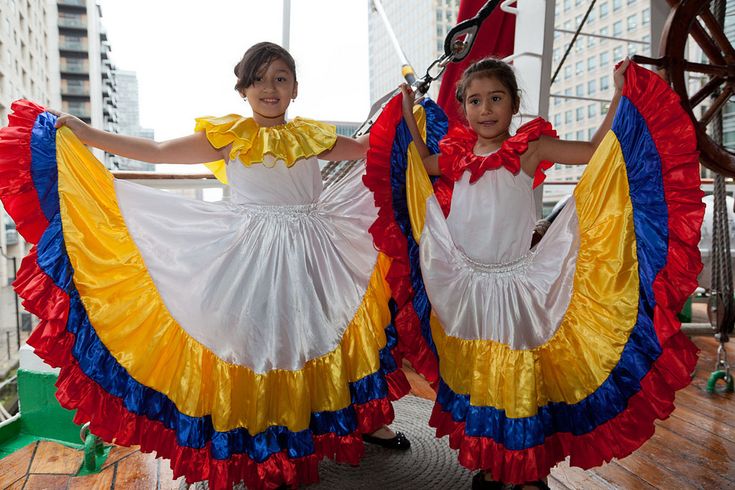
457,155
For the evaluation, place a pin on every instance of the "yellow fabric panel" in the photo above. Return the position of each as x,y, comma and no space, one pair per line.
590,339
299,138
132,321
418,185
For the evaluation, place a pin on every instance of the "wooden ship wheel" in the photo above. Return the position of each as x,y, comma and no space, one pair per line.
694,19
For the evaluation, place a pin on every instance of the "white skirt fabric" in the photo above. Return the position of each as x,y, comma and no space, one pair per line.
264,286
519,303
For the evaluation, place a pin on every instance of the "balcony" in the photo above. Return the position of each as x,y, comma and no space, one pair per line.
73,45
72,3
73,22
75,68
74,90
81,110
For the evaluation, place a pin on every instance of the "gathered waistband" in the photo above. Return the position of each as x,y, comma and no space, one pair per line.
511,267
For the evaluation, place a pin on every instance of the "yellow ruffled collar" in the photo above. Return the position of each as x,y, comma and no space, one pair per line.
289,142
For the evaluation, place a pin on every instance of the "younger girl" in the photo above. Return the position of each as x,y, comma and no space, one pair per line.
567,349
243,340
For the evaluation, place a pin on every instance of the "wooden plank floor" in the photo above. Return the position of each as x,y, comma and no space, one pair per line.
51,466
694,448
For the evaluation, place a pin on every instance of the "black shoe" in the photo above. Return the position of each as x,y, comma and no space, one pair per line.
480,483
399,442
541,485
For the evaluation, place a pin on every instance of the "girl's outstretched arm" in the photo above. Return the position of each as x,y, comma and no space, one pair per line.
194,148
580,152
431,161
347,149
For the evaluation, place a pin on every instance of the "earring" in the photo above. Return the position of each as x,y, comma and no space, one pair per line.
293,100
245,98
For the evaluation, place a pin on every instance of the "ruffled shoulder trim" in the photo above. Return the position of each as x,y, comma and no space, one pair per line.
457,153
290,142
455,150
532,131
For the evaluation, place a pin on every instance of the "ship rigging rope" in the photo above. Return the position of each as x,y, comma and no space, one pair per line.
457,45
574,39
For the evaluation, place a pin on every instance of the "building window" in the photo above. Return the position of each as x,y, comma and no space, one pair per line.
557,119
646,17
617,29
618,53
591,87
617,5
603,10
580,114
604,83
604,32
590,42
579,90
568,117
632,22
579,67
604,59
591,111
591,63
567,72
567,5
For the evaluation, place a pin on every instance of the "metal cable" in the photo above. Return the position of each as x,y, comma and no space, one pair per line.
574,39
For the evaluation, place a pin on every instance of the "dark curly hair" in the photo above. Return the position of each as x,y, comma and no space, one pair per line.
256,59
489,68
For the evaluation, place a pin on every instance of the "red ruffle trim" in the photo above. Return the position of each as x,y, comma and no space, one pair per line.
398,385
675,141
389,239
111,421
16,185
457,152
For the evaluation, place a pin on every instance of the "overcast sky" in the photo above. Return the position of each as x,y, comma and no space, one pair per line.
184,52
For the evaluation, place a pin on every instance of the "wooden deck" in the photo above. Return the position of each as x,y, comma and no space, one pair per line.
694,448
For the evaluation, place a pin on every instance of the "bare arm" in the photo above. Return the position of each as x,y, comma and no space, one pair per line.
347,149
431,161
577,152
194,148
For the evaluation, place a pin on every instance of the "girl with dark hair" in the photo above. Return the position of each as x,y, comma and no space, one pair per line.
243,340
567,349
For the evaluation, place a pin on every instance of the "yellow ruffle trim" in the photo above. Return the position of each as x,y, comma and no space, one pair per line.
299,138
132,321
602,312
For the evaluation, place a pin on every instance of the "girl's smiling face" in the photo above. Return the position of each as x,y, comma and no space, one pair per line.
271,92
489,108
